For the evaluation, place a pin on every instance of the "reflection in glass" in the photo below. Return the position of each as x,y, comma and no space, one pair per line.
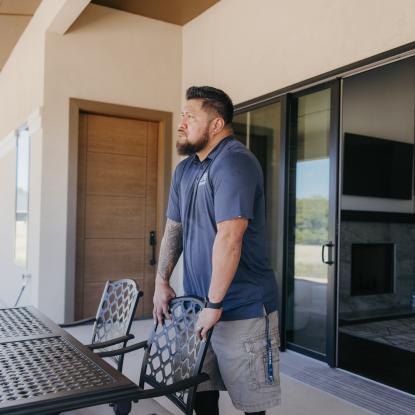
377,261
259,130
22,195
309,209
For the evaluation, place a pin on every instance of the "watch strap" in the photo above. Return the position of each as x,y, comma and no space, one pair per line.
215,306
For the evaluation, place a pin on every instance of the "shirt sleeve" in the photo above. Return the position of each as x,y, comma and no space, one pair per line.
173,207
235,185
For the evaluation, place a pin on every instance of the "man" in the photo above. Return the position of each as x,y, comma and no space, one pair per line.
216,217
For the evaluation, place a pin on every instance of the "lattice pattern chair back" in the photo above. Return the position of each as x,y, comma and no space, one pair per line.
175,352
116,313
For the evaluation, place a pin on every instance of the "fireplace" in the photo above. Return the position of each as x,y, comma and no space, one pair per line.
373,269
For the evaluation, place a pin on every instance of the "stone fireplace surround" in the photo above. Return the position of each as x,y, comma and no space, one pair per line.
377,227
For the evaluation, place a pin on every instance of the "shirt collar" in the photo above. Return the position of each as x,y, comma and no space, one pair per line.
215,150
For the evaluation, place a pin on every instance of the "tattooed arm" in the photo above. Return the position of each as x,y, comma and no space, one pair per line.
170,251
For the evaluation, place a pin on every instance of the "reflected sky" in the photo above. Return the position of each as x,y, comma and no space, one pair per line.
313,178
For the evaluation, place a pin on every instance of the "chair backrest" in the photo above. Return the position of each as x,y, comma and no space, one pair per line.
175,352
116,311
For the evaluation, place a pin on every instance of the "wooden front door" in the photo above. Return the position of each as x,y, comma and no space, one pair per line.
116,208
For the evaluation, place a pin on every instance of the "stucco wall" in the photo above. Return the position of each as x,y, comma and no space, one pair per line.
107,56
21,99
252,48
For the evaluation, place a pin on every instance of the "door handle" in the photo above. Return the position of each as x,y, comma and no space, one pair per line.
153,245
329,245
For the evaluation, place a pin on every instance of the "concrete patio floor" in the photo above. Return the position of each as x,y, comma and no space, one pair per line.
298,398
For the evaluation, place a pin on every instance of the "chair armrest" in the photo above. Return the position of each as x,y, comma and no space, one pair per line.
112,342
173,388
79,322
123,350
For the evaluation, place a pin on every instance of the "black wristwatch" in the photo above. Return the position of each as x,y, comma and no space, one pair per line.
215,306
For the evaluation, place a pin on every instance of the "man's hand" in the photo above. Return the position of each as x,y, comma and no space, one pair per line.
170,250
207,319
163,293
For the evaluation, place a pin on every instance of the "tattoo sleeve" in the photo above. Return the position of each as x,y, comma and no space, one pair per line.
170,249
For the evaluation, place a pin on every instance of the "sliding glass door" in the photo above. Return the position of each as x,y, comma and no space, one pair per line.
296,142
259,129
377,238
312,221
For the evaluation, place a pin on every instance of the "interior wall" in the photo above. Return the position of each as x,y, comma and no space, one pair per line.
107,56
249,49
381,103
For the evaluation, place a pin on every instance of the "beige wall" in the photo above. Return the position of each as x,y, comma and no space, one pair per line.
11,28
21,79
107,56
251,48
21,99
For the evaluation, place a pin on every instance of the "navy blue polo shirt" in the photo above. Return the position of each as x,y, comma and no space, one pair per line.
228,184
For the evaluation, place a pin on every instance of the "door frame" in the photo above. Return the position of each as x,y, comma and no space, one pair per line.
164,163
334,216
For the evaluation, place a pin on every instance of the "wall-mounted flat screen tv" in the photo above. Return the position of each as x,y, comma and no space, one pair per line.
377,167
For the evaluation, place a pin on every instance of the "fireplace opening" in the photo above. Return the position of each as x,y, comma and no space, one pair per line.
373,268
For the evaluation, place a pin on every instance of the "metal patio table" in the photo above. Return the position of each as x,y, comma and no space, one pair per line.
44,370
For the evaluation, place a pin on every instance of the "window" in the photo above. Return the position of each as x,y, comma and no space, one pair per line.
22,195
259,129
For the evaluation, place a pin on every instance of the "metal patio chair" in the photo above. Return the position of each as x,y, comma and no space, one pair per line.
114,317
173,357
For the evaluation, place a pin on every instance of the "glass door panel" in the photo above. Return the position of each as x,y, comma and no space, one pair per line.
259,130
310,198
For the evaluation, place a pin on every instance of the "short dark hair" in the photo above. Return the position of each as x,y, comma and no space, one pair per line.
213,99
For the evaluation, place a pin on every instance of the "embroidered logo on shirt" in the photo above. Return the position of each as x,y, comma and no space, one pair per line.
203,179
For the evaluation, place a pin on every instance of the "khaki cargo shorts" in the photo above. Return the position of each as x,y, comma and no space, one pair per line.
236,361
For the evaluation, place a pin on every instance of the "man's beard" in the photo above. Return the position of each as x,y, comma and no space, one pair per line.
187,149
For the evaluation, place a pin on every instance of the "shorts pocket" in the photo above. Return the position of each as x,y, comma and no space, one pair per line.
258,363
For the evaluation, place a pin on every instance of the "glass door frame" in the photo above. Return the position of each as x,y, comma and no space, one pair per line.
288,109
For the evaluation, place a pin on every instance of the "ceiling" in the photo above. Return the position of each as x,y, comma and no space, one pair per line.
172,11
14,17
